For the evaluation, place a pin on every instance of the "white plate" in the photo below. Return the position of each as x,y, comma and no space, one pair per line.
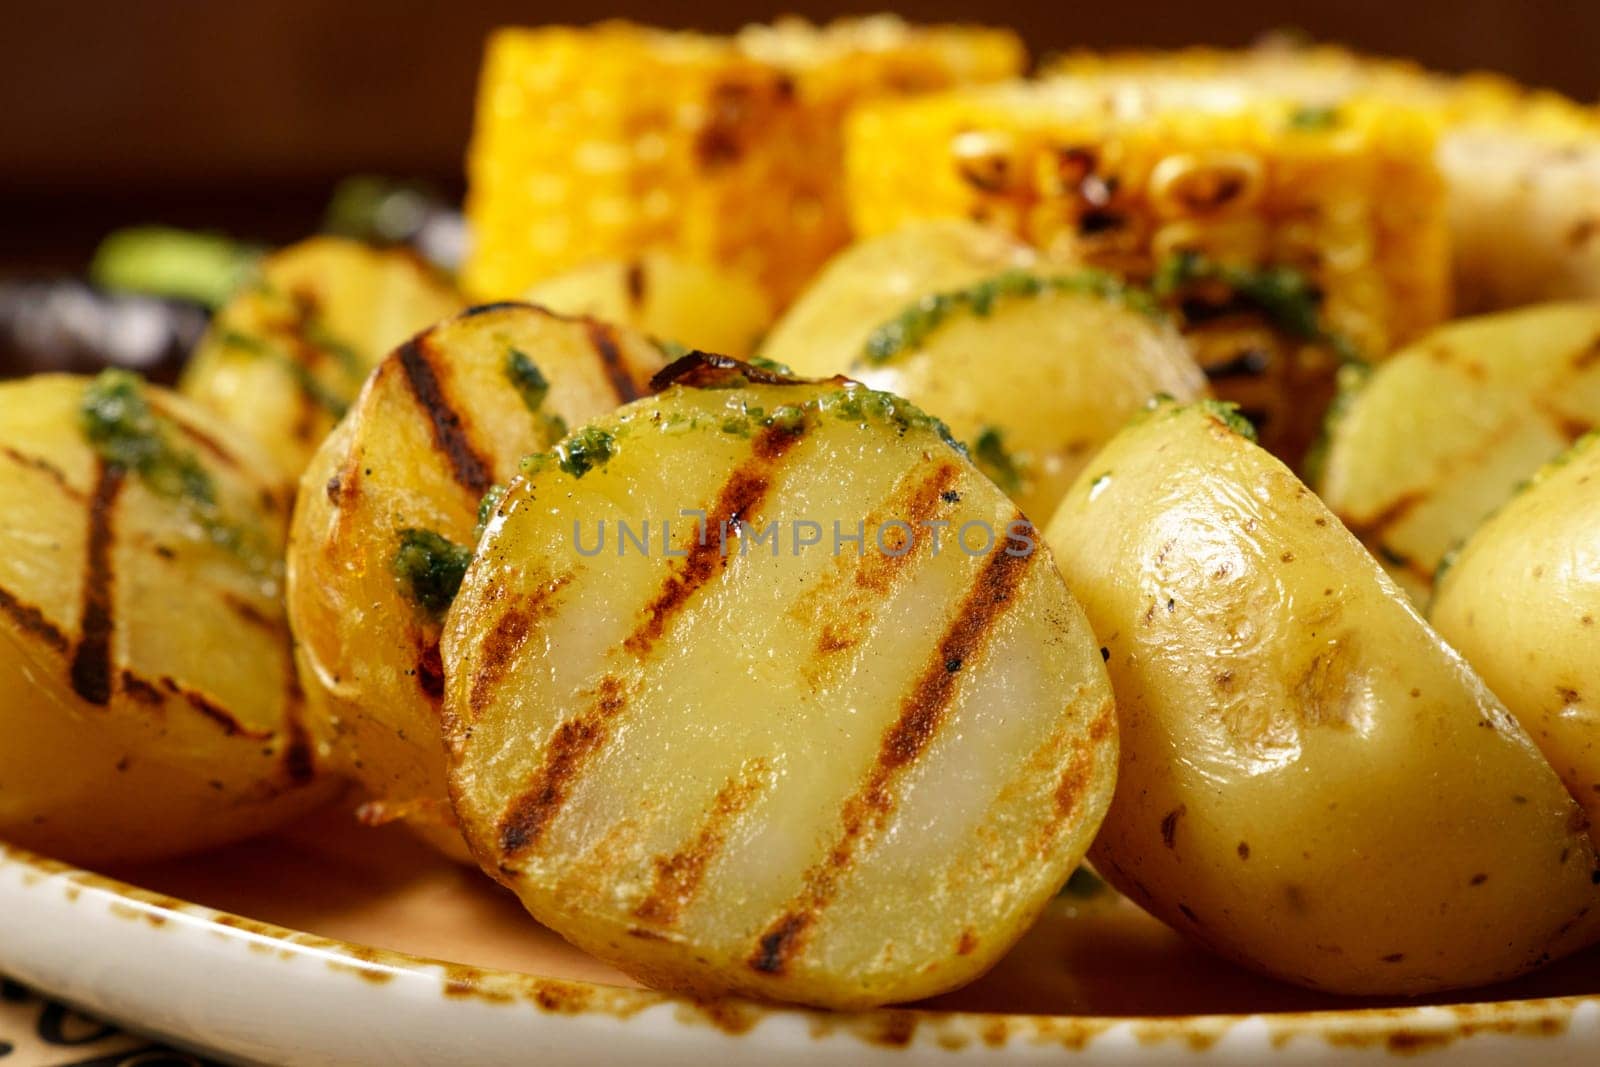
340,962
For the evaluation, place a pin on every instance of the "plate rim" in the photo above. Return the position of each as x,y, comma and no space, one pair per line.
1395,1029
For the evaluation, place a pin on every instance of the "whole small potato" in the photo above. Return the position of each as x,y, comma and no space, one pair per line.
709,740
385,522
1312,782
287,354
151,703
665,296
1420,453
1522,603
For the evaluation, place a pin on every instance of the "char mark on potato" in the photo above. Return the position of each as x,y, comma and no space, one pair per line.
571,746
603,338
678,877
31,620
91,661
467,466
922,713
741,496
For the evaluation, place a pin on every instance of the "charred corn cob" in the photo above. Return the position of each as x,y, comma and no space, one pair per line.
1522,165
1288,238
603,142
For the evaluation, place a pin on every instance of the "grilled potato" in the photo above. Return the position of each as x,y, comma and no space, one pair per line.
1312,782
1034,372
666,296
385,522
729,759
284,358
151,700
1443,433
826,330
1522,604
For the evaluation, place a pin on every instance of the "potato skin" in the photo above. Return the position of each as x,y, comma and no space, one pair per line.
369,653
152,706
665,296
1445,431
1312,782
1522,604
286,355
751,776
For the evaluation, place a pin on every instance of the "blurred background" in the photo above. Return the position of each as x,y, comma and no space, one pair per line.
243,116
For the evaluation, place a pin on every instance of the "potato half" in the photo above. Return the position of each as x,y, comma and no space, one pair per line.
1443,433
385,521
746,757
666,296
1522,604
284,358
1312,782
1034,372
151,700
826,330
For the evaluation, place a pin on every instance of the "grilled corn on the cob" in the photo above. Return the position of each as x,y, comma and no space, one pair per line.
1522,166
602,142
1289,238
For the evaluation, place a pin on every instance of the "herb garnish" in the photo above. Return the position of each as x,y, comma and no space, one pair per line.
908,330
1314,117
330,401
527,378
122,427
1228,415
431,567
585,450
989,453
1289,300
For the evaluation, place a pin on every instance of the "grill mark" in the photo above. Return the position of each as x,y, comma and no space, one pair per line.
208,444
299,755
510,633
678,877
741,495
847,613
921,714
252,614
91,662
634,280
137,689
604,341
44,467
468,468
430,668
31,620
215,712
527,817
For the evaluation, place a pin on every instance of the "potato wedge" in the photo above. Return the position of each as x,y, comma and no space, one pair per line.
151,701
666,296
385,519
1444,432
284,358
1034,372
825,331
737,762
1312,782
1522,603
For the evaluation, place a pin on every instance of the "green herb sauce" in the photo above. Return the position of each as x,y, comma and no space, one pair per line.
990,454
431,568
585,450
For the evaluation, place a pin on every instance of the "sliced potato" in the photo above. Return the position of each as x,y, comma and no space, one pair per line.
1522,604
284,358
385,518
666,296
1444,432
151,700
740,761
826,330
1034,372
1312,782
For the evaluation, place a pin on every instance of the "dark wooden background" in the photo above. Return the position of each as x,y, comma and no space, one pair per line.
241,115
